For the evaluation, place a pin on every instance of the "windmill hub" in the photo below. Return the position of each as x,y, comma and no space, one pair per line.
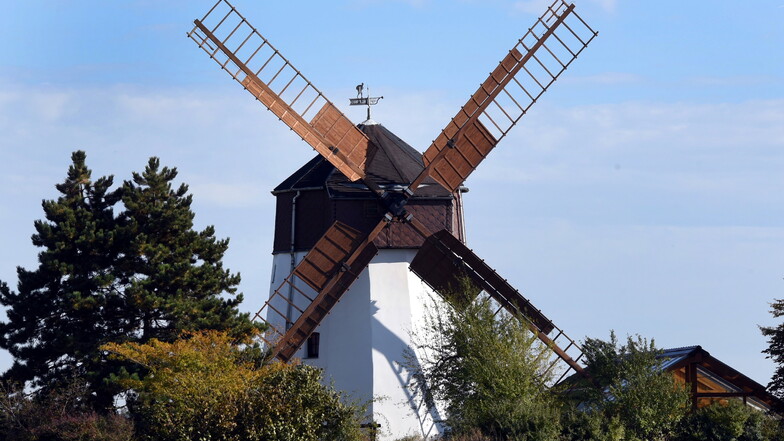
395,203
325,195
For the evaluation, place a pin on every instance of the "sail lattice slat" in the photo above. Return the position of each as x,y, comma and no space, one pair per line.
443,260
227,37
527,71
308,294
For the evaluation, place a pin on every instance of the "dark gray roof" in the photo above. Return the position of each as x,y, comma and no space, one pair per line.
391,163
674,356
311,175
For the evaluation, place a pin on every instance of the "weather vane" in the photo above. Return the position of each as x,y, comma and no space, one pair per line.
362,100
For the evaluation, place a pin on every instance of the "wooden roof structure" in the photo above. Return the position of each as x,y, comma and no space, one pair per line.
318,194
390,162
711,380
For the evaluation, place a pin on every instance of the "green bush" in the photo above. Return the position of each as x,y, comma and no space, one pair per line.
58,415
206,386
631,390
485,370
730,421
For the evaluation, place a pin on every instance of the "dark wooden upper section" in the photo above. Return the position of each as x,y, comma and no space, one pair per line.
318,194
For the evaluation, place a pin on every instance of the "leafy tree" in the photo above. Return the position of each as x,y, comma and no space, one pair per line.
580,424
58,415
632,389
729,421
67,306
775,350
485,370
143,274
207,386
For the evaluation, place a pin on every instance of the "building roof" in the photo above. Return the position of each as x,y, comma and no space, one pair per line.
675,356
391,164
716,377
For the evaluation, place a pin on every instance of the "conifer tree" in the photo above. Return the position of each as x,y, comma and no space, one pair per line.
775,348
174,275
65,308
101,278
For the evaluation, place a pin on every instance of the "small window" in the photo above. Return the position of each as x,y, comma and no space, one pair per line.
313,345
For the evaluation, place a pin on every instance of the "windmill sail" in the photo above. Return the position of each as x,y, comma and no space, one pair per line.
250,59
526,72
443,260
328,270
317,283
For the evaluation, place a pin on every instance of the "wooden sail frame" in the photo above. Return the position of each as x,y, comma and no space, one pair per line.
239,48
518,81
340,256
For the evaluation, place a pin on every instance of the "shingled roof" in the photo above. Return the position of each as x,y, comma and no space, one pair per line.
391,163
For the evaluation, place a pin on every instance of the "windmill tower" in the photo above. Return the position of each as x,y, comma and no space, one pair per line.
375,225
361,342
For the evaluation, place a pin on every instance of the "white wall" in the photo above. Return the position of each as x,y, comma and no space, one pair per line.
365,335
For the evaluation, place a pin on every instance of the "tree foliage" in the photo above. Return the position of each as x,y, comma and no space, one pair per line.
206,386
632,389
58,415
775,350
486,371
70,304
173,276
103,278
729,420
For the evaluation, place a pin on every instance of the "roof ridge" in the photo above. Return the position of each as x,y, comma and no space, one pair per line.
682,348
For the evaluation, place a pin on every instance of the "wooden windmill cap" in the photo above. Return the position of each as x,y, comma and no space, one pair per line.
391,163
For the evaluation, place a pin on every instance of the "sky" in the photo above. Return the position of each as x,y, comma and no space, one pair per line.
643,193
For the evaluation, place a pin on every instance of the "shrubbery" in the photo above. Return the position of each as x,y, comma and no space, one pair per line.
62,414
208,386
485,371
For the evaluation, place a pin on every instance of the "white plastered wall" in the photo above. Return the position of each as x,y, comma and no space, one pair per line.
363,339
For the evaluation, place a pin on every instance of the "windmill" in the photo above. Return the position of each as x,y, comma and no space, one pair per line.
395,208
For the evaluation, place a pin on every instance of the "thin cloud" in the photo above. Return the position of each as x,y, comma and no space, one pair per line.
605,79
120,127
367,3
735,80
607,5
693,153
532,6
228,195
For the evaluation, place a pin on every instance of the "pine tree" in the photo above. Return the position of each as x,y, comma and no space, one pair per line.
61,312
174,274
775,349
101,278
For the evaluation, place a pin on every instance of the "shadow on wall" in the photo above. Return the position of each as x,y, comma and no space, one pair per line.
392,347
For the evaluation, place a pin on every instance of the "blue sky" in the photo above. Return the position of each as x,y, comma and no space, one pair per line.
643,193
